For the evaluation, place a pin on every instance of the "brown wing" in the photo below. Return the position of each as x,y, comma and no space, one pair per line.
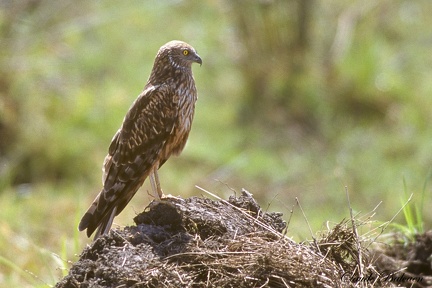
134,150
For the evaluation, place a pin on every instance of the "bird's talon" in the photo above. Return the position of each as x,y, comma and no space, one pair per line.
169,196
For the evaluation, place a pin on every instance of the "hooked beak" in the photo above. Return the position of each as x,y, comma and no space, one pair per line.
197,59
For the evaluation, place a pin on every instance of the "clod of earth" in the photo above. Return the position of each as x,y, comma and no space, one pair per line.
198,242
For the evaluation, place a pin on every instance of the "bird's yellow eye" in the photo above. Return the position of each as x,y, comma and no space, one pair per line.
185,52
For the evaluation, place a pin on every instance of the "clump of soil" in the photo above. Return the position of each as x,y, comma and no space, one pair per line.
198,242
404,262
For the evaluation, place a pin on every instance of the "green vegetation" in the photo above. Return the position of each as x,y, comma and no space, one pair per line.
295,101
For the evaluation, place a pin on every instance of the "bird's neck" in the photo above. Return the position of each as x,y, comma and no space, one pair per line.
164,72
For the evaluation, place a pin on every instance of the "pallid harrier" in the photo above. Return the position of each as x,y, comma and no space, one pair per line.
156,126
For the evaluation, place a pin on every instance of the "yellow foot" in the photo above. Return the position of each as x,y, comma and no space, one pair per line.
165,199
169,196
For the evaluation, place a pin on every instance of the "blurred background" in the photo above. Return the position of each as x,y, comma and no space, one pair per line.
297,99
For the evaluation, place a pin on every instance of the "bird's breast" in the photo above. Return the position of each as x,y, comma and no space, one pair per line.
187,96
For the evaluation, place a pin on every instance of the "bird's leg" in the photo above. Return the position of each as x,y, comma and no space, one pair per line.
158,186
153,185
156,189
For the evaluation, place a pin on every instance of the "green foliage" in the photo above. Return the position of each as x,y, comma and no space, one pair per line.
293,102
413,212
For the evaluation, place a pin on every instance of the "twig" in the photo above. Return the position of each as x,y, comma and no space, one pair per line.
226,185
289,220
354,227
271,201
386,224
268,228
307,222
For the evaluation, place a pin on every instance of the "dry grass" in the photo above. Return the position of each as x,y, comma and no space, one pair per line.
198,242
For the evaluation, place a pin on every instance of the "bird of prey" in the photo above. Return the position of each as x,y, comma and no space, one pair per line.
156,126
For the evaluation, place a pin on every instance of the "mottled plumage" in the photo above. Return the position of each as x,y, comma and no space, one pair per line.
156,126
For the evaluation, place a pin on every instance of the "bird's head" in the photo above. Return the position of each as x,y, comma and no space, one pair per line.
179,54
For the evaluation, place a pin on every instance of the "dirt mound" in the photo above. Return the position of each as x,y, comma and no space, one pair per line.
198,242
405,262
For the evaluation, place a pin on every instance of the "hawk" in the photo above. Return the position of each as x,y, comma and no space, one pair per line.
156,126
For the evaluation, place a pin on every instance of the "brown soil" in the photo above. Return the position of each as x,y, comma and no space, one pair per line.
198,242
